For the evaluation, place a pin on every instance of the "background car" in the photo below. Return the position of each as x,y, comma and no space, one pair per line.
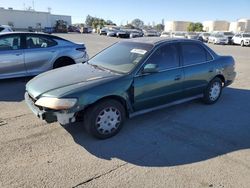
122,34
217,38
5,28
134,33
165,34
192,35
129,78
103,31
204,37
151,33
180,35
243,39
29,54
229,36
111,33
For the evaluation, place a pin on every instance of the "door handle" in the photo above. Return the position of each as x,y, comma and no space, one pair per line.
178,77
52,51
18,54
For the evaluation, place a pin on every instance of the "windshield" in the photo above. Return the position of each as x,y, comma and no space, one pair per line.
206,34
122,57
1,29
228,33
179,34
246,35
219,36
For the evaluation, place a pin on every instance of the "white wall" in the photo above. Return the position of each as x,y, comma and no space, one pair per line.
176,26
218,25
24,19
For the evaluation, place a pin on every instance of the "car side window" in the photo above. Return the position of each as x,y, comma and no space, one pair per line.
165,57
10,42
39,42
193,54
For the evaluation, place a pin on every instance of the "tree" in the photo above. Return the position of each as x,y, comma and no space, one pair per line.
109,22
198,27
195,27
137,23
129,26
191,27
159,27
89,20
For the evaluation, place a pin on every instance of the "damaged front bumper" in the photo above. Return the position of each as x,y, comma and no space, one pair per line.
63,116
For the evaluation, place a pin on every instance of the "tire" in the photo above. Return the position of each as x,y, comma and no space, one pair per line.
62,62
242,43
213,91
104,119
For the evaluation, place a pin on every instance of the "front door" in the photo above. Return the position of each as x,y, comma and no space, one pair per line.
162,86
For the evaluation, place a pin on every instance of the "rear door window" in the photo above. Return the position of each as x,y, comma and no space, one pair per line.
39,42
194,54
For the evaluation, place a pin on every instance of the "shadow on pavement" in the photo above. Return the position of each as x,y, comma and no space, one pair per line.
183,134
12,90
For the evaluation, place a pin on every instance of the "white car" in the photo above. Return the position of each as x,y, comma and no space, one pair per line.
243,39
165,34
218,38
179,35
5,28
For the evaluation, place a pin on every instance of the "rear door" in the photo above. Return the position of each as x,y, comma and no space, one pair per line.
11,56
163,86
40,52
198,68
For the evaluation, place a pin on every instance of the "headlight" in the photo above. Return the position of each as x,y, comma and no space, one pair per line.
55,103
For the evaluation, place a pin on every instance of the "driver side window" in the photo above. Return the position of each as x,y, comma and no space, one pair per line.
165,57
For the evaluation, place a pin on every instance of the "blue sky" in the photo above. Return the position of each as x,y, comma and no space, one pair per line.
121,11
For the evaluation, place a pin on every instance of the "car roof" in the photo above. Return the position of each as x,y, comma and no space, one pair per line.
158,40
32,33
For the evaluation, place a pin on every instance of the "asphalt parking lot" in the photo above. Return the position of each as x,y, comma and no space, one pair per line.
189,145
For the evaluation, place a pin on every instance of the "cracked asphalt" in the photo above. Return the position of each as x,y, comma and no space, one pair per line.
189,145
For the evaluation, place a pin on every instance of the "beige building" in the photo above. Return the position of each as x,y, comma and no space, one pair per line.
176,26
218,25
23,19
242,25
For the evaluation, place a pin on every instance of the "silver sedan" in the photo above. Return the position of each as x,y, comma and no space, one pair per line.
29,54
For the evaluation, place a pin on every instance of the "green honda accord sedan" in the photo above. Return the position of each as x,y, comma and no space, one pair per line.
129,78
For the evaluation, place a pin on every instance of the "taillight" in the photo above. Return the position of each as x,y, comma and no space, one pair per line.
81,49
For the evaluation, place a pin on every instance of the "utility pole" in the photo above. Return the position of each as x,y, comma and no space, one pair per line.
33,4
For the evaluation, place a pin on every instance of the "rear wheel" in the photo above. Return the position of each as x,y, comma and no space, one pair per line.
62,62
213,91
104,119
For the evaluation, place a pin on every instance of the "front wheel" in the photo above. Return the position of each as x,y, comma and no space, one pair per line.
104,119
213,91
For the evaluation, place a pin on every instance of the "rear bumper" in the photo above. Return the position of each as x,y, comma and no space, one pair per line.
63,117
230,79
82,59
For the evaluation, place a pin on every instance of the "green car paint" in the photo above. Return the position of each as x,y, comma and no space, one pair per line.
136,90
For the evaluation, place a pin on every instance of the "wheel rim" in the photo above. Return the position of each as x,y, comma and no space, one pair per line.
215,90
108,120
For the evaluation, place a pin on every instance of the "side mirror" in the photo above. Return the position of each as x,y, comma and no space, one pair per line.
150,68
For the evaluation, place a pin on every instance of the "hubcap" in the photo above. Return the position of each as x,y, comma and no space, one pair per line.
108,120
215,90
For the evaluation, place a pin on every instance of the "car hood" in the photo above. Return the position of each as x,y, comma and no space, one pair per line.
79,74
